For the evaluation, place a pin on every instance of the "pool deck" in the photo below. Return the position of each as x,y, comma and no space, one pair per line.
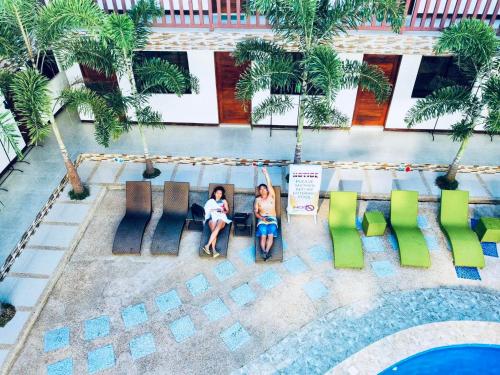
83,309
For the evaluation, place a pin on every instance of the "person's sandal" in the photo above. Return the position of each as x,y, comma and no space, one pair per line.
268,255
206,249
215,254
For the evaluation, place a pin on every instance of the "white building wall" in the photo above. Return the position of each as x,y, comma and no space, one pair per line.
345,101
56,85
402,100
7,152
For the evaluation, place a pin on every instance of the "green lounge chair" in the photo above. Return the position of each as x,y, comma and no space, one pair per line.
413,250
348,252
454,220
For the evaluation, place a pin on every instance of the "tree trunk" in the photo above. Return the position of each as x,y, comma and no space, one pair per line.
150,169
74,178
297,158
453,168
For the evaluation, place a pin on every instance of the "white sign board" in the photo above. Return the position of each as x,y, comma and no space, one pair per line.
303,189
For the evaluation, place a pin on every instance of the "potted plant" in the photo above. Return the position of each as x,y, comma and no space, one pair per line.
7,312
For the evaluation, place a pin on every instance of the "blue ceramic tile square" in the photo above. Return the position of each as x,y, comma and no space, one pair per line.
319,254
242,294
471,273
224,270
393,241
235,336
359,223
215,310
142,346
100,359
432,242
98,327
56,339
269,279
198,285
383,268
490,249
134,315
168,301
182,328
295,265
247,255
315,289
422,222
473,223
64,367
373,244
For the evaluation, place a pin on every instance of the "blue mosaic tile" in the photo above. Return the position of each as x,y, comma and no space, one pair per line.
295,265
142,346
247,255
432,242
315,290
269,279
98,327
100,359
64,367
359,223
383,268
422,222
242,294
215,310
168,301
473,223
393,241
198,285
319,254
235,336
182,328
56,339
471,273
373,244
134,315
490,249
224,270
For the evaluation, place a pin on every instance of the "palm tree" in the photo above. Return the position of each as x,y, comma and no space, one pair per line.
113,51
9,134
319,74
475,49
29,30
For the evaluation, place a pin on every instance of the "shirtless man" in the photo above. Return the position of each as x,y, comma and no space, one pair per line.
265,212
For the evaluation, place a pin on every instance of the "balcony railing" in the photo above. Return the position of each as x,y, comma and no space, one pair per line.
421,15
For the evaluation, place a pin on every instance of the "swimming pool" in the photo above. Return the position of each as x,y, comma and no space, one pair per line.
456,359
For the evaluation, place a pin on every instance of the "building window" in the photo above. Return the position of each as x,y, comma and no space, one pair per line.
97,81
436,72
179,59
48,65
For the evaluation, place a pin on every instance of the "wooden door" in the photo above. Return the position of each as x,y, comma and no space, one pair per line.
366,110
227,74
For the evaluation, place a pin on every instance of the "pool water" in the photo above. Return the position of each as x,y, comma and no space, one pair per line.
457,359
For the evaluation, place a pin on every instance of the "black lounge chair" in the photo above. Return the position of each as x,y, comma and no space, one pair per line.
167,235
128,237
277,249
223,237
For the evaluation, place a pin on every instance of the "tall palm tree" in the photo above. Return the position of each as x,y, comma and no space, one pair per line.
475,49
113,51
320,74
9,134
28,31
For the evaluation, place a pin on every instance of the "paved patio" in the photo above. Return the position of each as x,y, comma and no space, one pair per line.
189,315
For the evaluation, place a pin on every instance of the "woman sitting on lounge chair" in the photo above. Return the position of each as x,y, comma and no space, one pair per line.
265,212
216,210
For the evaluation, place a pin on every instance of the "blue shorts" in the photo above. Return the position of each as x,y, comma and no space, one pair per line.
267,230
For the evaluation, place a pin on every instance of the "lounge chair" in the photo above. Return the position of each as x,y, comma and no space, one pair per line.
453,218
277,248
167,235
223,237
413,250
348,252
128,237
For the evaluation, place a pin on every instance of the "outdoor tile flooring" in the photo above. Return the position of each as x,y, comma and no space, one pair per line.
98,327
383,268
490,249
242,295
235,336
373,244
100,359
63,367
315,289
269,279
198,285
134,315
142,346
470,273
37,261
168,301
215,310
295,265
182,328
224,270
319,254
56,339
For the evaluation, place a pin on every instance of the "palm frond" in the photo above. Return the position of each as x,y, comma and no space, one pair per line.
491,92
255,50
445,100
462,130
369,77
9,134
272,105
492,122
119,30
142,14
31,96
149,117
324,70
319,112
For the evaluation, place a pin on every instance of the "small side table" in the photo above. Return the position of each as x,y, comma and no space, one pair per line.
488,229
242,224
374,223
